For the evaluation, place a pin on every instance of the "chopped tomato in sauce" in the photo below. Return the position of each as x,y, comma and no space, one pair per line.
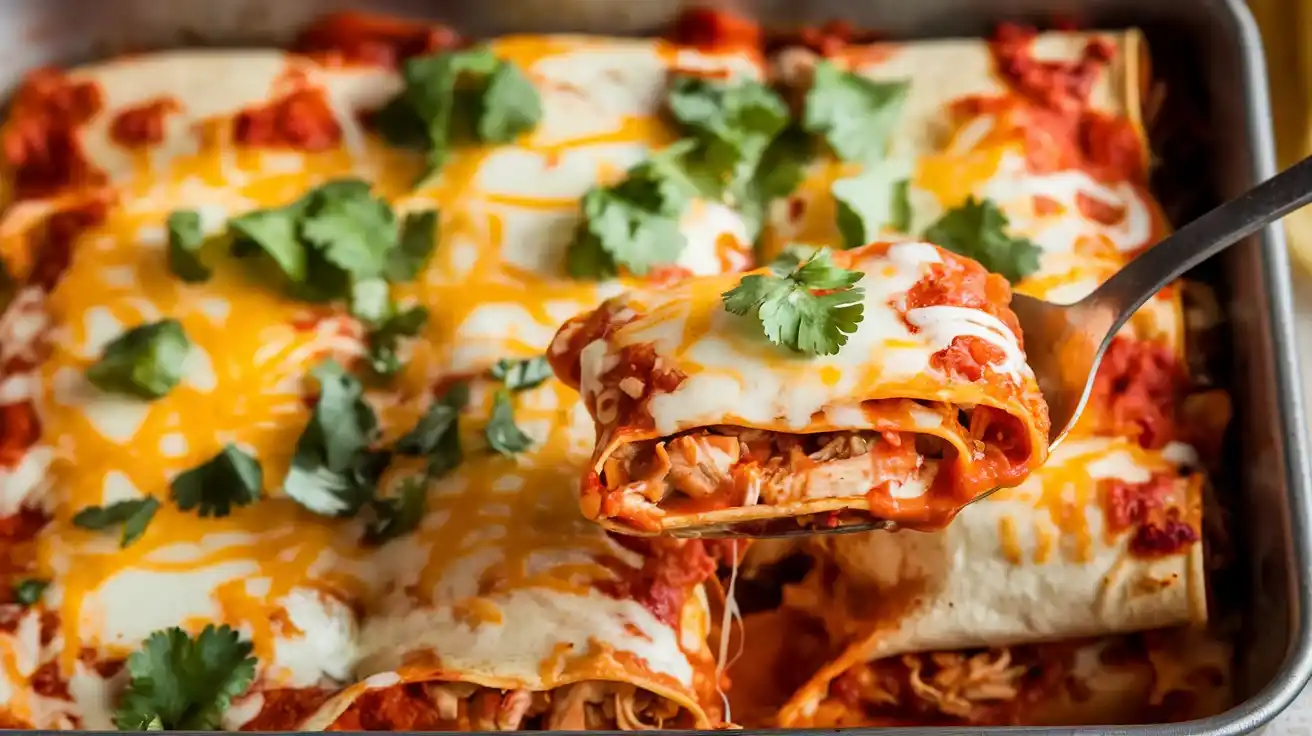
1054,84
1098,210
1154,510
54,246
827,39
1127,504
286,709
41,140
20,428
671,568
143,124
962,282
1136,391
302,120
399,708
354,37
1169,537
48,683
967,356
715,30
1049,110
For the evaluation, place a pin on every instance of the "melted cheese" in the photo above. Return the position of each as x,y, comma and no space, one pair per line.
959,159
983,581
502,545
288,580
733,371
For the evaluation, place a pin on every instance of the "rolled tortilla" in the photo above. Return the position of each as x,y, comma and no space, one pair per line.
1067,165
506,609
507,212
702,423
1105,538
1157,677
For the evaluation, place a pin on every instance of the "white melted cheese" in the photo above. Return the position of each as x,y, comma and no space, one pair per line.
1053,570
513,650
723,362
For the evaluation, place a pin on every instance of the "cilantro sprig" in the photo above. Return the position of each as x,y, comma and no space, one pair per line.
145,362
385,339
455,98
397,516
501,432
338,242
809,306
436,435
183,683
521,375
230,478
133,515
27,592
185,242
875,200
854,115
634,224
978,229
735,149
335,470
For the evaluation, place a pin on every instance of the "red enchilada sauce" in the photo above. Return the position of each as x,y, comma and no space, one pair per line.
1136,392
302,120
353,37
1154,509
41,138
143,124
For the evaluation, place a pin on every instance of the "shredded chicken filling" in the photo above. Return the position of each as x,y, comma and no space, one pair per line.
725,466
952,683
581,706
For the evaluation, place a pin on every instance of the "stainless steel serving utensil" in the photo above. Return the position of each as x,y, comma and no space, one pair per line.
1065,342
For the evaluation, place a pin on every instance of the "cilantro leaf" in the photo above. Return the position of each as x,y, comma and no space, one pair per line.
455,97
418,239
371,301
789,310
871,202
397,516
978,229
519,375
181,683
634,224
510,106
340,242
28,591
145,362
502,434
355,232
778,174
733,122
383,340
230,478
854,115
437,433
333,470
185,241
276,232
134,515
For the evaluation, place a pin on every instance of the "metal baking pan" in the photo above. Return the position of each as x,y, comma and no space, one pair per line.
1209,53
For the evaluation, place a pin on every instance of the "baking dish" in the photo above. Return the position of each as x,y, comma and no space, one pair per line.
1208,53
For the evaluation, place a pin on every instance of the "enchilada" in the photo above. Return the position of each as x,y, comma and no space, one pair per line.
363,545
904,397
1107,537
232,315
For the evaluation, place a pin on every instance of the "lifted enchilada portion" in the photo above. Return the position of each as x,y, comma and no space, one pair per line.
896,388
